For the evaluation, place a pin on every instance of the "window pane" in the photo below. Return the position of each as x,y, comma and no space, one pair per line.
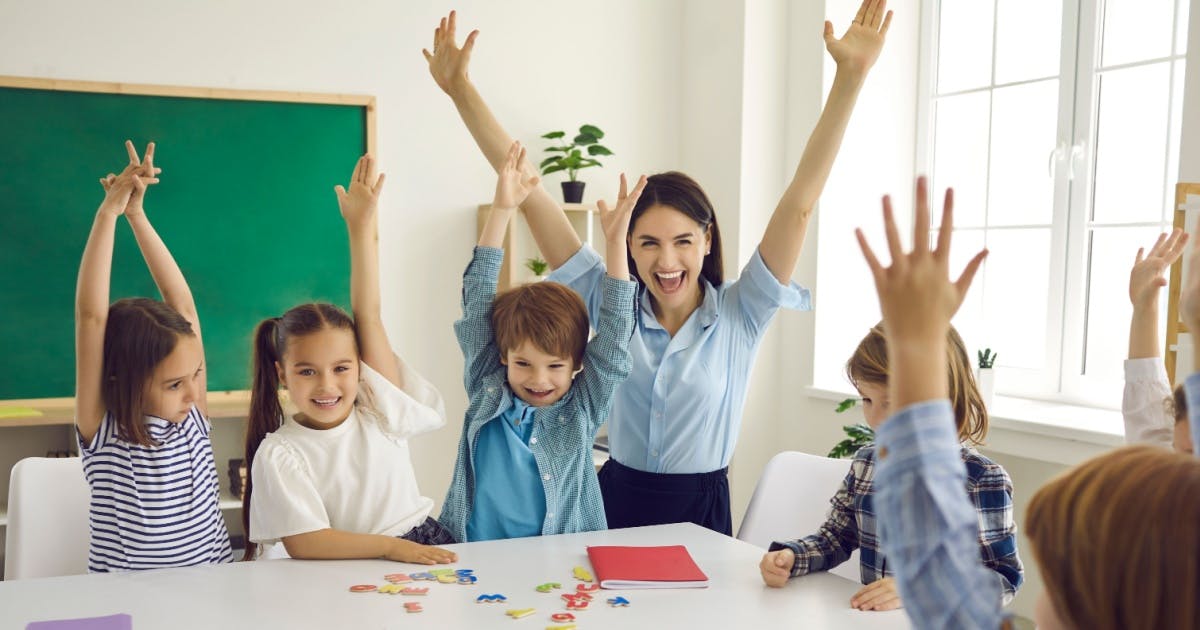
960,153
964,45
1131,139
969,318
1024,129
1137,30
1111,255
1016,287
1028,39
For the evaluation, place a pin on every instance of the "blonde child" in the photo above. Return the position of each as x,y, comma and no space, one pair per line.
335,479
852,522
1153,413
524,464
141,400
1097,575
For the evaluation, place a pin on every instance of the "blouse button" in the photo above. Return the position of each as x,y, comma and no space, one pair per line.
545,477
532,441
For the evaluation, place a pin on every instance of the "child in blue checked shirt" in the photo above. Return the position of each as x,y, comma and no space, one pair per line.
852,517
538,389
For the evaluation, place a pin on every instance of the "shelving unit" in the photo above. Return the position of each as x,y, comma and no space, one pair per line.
519,245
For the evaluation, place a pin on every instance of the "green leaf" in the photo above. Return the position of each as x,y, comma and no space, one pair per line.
554,135
572,161
591,130
548,161
554,169
557,149
584,139
597,149
846,405
576,154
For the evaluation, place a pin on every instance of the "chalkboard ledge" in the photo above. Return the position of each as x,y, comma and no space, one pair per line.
34,412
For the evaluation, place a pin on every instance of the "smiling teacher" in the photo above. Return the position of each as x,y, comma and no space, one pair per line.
675,421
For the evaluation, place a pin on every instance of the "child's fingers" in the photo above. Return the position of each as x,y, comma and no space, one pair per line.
148,159
533,181
357,169
367,172
892,232
340,192
624,192
602,206
637,191
379,184
868,254
470,43
133,156
887,23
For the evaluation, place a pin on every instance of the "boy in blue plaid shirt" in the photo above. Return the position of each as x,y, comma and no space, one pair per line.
852,520
538,389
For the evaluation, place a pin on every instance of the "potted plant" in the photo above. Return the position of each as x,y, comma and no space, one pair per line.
539,268
857,435
569,157
985,376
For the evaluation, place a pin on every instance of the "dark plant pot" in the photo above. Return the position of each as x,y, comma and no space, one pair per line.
573,192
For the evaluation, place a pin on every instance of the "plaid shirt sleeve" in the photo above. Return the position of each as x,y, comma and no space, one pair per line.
990,489
607,362
930,528
835,540
474,330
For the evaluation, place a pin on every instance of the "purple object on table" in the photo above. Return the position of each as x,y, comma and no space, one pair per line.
111,622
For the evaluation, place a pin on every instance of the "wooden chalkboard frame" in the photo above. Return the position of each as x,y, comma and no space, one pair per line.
221,404
1174,326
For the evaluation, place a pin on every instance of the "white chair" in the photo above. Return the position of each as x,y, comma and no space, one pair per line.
791,501
47,519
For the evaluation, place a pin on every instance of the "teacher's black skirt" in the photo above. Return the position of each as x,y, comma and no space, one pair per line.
633,498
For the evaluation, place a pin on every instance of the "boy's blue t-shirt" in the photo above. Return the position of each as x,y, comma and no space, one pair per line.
509,500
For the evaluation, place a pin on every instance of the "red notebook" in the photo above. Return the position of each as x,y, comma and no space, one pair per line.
646,567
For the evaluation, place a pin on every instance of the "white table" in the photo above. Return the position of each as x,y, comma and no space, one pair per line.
314,594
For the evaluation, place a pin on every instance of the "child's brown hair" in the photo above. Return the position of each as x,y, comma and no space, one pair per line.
138,335
869,364
547,314
1115,539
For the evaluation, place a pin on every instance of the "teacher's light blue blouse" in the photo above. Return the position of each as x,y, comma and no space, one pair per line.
680,410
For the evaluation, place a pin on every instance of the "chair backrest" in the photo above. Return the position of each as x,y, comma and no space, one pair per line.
47,519
791,501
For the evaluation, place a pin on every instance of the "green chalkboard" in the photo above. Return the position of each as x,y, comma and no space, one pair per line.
245,204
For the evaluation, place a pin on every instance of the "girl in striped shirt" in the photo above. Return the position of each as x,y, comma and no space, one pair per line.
140,400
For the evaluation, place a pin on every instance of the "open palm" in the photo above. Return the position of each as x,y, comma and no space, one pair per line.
1146,277
448,63
512,187
859,47
358,205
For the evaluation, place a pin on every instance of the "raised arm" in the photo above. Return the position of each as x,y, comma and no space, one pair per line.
166,273
359,209
854,53
448,64
92,292
1145,280
932,528
513,186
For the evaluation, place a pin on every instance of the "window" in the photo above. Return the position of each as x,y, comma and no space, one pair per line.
1057,122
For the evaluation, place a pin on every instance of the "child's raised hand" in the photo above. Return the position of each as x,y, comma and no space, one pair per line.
1146,277
359,204
915,293
512,187
615,222
878,595
123,194
776,567
407,551
858,49
448,63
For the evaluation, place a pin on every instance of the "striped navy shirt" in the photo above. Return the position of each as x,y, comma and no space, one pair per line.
154,506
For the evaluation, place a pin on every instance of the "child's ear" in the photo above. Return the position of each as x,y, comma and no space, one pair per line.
279,374
578,369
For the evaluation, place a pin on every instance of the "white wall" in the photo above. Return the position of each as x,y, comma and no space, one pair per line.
543,66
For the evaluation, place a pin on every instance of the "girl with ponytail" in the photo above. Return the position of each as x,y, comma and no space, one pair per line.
331,476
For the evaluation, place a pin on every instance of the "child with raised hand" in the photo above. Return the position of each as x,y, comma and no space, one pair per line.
334,480
852,522
1147,396
141,400
538,389
1097,575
